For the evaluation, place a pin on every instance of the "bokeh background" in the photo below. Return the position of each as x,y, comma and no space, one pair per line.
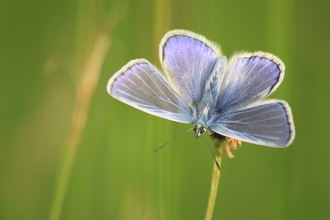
55,60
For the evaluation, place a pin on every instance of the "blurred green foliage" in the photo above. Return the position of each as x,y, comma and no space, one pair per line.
43,50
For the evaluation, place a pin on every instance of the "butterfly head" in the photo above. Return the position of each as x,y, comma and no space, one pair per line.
199,130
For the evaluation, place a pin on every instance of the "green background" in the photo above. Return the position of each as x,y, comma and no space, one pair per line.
44,46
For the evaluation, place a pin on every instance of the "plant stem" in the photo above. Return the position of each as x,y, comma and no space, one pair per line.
218,140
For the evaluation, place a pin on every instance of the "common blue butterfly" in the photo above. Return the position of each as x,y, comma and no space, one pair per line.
202,88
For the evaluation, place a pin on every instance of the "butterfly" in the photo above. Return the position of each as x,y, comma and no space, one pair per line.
200,87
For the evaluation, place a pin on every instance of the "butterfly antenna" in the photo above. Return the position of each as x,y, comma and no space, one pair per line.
158,149
208,143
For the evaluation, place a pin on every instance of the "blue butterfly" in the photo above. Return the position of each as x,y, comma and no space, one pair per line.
202,88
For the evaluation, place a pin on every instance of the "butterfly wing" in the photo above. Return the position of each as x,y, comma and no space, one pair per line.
188,60
141,86
250,77
268,123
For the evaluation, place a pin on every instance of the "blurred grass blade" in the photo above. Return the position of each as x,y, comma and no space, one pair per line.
162,23
85,90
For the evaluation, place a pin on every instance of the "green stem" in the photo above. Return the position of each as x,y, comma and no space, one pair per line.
215,178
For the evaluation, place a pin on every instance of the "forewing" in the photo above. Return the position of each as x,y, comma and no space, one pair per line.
269,124
141,86
250,77
188,60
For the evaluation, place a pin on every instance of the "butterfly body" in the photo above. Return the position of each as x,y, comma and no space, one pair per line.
206,108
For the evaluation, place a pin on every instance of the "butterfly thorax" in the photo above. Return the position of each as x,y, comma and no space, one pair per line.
203,116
